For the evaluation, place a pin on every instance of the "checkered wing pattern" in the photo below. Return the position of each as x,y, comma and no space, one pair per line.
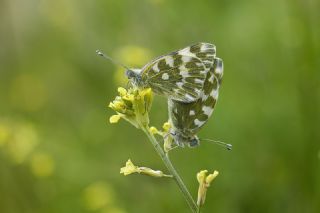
180,75
188,118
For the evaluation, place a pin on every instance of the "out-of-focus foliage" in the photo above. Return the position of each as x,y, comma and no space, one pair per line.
58,153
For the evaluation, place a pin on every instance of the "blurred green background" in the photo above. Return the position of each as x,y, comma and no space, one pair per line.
58,153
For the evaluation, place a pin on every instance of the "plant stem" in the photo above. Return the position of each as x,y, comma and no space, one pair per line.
198,210
171,169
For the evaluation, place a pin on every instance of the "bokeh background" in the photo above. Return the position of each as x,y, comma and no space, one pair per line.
58,153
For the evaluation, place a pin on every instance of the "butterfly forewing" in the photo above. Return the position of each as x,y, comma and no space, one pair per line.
180,75
204,51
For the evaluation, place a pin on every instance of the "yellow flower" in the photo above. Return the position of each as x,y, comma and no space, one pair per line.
133,105
204,183
154,130
122,91
131,168
114,119
166,127
211,177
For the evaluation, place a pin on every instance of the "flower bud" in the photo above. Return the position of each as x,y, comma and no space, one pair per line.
153,130
166,127
204,183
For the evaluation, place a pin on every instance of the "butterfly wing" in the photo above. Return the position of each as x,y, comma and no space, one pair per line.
188,118
180,75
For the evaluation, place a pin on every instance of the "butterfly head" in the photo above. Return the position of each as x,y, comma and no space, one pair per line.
134,76
182,140
194,142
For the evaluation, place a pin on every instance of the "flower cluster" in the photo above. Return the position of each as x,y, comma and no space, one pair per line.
204,183
133,105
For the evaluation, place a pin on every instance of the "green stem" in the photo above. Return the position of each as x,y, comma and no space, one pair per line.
198,210
172,170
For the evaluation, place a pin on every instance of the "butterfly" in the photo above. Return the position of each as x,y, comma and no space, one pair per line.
187,119
179,75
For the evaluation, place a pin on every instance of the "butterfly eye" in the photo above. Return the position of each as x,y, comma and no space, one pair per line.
130,73
194,142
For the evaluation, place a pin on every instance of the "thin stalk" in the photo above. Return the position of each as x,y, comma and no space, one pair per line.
172,170
199,208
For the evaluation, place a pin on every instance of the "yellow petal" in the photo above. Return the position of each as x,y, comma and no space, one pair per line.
129,168
211,177
122,91
114,119
153,130
145,92
201,176
166,126
147,96
128,97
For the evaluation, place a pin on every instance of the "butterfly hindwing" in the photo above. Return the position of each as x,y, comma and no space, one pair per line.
188,118
180,75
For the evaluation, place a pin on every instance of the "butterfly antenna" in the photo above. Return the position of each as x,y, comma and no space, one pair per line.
220,143
100,53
